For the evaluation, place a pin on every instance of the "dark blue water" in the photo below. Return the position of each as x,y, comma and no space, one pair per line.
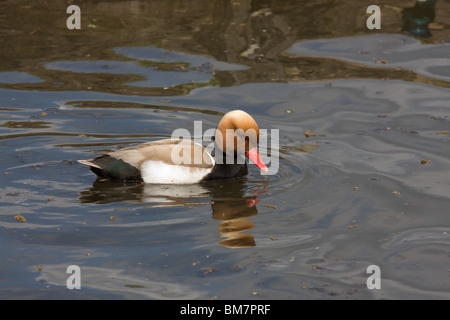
371,186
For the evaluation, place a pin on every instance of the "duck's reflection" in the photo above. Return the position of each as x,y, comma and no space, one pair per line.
233,209
231,202
231,227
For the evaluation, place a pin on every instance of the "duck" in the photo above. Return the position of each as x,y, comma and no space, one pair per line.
184,161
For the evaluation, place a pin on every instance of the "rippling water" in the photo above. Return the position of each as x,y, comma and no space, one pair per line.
370,186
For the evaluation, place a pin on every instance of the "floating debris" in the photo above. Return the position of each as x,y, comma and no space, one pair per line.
353,226
39,267
308,134
269,206
423,161
134,286
43,114
250,52
208,270
20,218
263,12
308,148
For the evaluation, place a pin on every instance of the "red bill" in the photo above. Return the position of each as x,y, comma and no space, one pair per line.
254,156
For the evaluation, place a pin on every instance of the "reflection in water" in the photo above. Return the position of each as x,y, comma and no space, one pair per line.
106,191
219,43
376,51
156,195
231,227
120,282
233,208
417,18
342,83
228,199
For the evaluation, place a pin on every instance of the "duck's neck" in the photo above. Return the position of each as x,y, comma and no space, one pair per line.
226,170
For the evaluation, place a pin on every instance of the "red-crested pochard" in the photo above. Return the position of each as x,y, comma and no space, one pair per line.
182,161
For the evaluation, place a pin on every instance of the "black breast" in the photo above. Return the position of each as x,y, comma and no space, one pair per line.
227,170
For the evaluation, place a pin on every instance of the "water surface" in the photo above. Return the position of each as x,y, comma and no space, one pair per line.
370,186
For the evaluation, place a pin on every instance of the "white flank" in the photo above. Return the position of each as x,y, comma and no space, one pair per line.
163,173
